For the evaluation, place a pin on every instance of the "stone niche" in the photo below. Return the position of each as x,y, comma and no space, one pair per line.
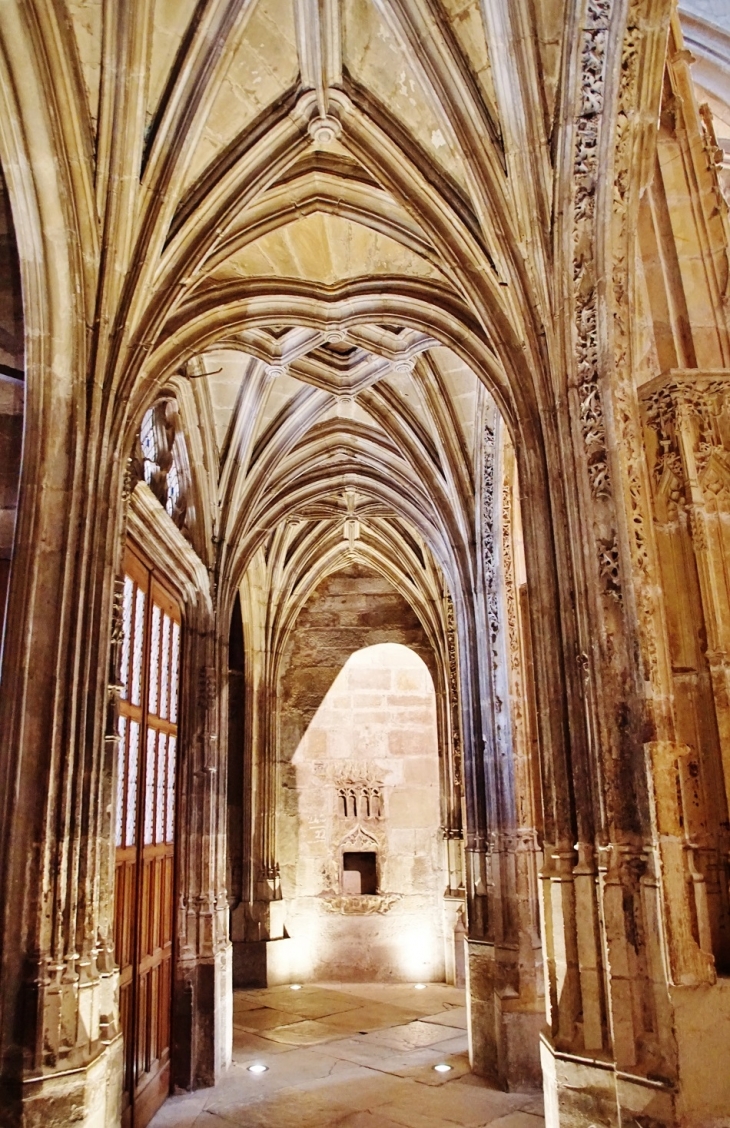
360,855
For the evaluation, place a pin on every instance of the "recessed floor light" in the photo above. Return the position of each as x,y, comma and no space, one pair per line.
442,1067
257,1067
420,986
295,986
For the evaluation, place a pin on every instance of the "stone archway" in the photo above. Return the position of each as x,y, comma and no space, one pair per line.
363,783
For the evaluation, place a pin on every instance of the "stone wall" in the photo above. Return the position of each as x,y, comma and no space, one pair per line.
359,774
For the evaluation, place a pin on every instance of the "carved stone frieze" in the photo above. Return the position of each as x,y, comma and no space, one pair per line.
608,567
363,905
715,156
510,588
489,547
348,773
690,416
586,173
454,700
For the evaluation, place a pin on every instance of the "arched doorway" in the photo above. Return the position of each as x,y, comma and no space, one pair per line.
357,715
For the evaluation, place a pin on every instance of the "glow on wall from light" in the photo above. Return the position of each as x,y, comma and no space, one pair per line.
375,722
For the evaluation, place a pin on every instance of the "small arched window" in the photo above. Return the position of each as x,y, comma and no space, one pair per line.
162,461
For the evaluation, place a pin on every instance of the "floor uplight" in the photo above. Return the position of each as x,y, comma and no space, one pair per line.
420,986
257,1067
442,1067
295,986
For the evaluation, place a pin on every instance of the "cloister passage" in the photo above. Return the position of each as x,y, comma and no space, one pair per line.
329,327
366,484
363,867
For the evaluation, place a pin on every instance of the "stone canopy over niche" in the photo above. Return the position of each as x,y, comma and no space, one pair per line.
360,779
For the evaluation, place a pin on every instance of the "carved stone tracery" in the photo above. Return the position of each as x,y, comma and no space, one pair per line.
690,416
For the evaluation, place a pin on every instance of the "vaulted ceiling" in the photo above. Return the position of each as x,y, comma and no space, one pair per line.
333,222
303,210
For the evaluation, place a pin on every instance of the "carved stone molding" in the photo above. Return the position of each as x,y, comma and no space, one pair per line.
608,567
689,412
454,705
360,839
489,546
586,173
367,904
510,587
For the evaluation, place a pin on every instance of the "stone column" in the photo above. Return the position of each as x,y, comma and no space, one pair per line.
504,964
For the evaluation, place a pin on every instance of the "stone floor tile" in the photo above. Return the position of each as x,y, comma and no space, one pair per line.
467,1106
243,1001
457,1045
206,1120
180,1112
311,1002
536,1103
307,1032
365,1019
361,1020
366,1120
453,1016
370,1090
519,1119
412,1034
264,1019
296,1108
482,1083
302,1067
362,1047
405,1062
346,1088
339,1029
433,997
323,1073
425,1074
248,1045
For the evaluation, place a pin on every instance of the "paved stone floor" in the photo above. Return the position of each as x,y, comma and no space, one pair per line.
351,1056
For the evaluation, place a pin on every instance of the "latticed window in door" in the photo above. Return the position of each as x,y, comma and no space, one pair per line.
145,834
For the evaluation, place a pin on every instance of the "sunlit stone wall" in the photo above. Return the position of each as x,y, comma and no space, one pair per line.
359,775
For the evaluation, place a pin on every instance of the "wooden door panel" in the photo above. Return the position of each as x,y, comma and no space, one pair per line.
125,1018
145,823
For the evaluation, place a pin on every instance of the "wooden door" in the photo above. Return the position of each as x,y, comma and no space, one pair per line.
145,836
